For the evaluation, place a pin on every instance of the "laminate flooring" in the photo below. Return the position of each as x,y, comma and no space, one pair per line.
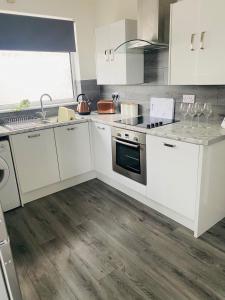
93,242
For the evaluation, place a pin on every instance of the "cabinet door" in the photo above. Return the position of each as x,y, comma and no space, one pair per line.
103,45
126,68
172,168
116,67
184,42
102,148
73,148
35,159
211,61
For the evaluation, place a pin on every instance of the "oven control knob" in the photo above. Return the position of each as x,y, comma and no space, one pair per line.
119,134
148,126
136,139
156,124
161,123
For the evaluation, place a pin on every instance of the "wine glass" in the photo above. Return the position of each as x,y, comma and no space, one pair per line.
191,112
207,112
183,111
198,107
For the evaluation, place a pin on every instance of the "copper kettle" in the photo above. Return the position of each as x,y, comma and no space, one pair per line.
83,107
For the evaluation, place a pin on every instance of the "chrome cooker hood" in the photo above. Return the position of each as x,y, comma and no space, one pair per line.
153,26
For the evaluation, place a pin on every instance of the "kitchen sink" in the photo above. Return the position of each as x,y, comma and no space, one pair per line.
26,124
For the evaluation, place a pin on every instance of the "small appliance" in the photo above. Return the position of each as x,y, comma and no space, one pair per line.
83,107
106,107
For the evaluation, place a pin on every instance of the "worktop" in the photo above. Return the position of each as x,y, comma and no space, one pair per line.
199,135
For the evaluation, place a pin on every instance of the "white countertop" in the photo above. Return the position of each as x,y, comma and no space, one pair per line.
197,135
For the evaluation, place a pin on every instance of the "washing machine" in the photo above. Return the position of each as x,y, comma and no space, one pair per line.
9,195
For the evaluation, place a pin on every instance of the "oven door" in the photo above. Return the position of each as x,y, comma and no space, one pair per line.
129,159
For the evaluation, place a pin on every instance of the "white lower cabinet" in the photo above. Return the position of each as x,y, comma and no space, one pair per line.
35,158
102,148
172,169
73,149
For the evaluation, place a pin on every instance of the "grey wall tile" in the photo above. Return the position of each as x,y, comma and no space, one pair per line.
142,93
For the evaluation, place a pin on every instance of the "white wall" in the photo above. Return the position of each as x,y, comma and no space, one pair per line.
82,11
109,11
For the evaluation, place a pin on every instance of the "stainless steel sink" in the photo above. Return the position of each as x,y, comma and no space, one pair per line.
34,123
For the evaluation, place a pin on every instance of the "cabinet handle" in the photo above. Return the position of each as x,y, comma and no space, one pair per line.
107,55
101,128
202,47
169,145
31,136
112,54
71,128
192,41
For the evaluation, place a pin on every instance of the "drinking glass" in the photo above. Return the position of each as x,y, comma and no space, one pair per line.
192,113
183,111
198,108
207,112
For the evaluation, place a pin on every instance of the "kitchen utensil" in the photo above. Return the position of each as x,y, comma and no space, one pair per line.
207,112
162,108
65,114
129,110
83,107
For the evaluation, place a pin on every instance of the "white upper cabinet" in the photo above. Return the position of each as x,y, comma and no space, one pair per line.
74,150
211,62
118,67
197,42
35,159
183,42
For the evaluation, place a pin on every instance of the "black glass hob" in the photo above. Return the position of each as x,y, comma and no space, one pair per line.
146,121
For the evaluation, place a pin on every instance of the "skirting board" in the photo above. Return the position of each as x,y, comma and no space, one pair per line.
148,202
54,188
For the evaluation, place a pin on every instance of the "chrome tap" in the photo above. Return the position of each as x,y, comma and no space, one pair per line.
43,112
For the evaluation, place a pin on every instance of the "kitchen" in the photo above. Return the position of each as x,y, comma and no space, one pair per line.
112,149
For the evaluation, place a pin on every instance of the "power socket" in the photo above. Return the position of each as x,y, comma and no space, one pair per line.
189,99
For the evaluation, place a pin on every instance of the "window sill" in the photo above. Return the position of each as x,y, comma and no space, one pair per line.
38,107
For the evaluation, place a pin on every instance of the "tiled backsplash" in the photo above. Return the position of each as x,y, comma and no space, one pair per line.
141,94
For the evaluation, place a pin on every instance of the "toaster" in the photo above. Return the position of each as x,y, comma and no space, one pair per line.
106,107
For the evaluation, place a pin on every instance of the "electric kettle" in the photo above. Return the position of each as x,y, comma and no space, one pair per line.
83,107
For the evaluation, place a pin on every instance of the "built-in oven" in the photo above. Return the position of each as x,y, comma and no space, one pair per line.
129,154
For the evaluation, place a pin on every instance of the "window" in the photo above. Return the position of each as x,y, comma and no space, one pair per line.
29,74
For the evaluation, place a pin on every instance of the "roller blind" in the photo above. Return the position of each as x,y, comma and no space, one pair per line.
26,33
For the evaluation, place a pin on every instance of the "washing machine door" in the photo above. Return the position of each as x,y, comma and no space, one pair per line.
4,173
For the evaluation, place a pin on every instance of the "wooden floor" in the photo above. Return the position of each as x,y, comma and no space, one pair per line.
93,242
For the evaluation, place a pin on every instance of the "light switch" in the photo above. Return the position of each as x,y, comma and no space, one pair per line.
189,99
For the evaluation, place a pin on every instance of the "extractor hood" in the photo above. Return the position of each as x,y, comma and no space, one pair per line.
153,26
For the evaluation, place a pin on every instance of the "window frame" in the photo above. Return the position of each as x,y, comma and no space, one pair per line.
74,59
36,104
